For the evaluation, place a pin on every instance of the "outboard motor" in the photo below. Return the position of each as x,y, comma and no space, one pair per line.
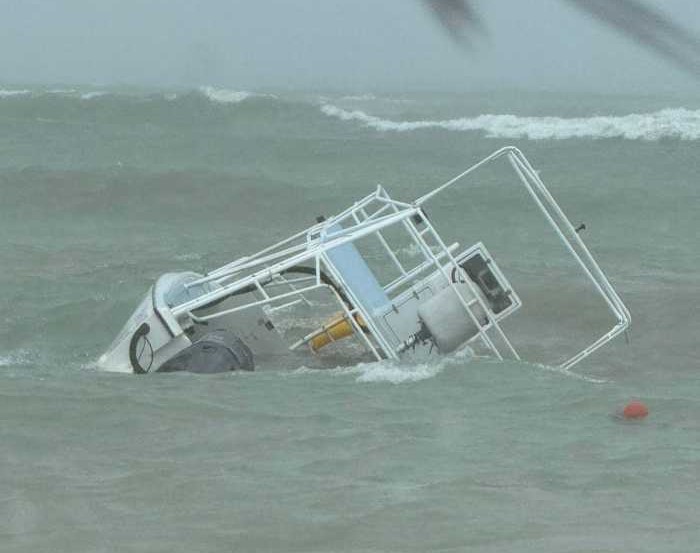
216,352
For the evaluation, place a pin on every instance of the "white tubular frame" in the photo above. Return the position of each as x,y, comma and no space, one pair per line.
265,270
566,233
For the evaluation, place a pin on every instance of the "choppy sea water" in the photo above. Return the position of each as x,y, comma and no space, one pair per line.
103,190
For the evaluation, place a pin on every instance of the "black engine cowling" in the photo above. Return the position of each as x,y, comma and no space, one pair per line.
216,352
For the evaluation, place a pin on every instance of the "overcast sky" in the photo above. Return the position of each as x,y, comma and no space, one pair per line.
360,45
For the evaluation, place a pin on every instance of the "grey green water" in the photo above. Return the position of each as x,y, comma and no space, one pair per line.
100,194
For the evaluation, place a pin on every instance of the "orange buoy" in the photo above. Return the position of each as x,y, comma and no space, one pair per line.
635,410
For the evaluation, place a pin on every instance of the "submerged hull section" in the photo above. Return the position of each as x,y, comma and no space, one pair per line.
216,352
154,340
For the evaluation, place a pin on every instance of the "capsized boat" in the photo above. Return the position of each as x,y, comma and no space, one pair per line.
320,288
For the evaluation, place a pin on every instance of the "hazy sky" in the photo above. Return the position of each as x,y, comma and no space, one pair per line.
360,45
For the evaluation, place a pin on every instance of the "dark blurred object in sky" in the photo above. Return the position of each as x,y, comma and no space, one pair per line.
645,25
458,17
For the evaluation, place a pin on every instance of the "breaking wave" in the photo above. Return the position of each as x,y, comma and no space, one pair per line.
216,95
38,93
677,123
670,123
226,96
16,358
5,93
93,94
359,98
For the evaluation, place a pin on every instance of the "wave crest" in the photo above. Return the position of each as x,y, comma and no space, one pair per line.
678,123
226,96
5,93
16,358
93,94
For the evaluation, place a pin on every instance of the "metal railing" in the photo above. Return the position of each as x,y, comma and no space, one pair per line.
369,217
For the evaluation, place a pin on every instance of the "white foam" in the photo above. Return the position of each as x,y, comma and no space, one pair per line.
61,91
359,98
678,123
383,371
414,250
4,93
404,372
93,94
226,96
396,372
20,357
188,257
570,374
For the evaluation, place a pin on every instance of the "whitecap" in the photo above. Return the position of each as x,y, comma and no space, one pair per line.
20,357
5,93
62,91
359,98
678,123
226,96
93,94
188,256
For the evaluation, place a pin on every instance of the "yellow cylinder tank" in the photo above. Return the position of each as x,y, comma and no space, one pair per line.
336,329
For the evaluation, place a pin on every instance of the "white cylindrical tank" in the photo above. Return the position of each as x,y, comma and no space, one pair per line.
447,320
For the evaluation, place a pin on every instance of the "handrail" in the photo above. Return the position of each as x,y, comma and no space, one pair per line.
566,233
313,243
